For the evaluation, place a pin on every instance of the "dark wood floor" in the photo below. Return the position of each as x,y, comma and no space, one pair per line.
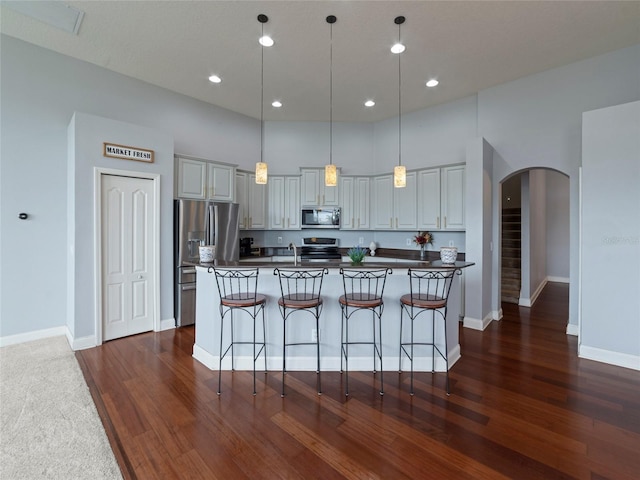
522,406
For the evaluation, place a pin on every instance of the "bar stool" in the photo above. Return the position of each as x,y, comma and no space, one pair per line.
363,291
429,290
300,292
238,292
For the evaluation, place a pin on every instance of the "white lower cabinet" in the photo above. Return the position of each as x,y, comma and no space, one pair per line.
284,202
253,202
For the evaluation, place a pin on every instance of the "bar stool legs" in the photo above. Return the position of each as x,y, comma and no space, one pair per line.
300,292
237,290
429,290
363,290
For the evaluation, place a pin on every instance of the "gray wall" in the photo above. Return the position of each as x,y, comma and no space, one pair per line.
610,236
531,122
536,122
557,228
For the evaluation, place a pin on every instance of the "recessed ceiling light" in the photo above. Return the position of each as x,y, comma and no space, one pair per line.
398,48
266,41
432,83
369,103
215,79
276,103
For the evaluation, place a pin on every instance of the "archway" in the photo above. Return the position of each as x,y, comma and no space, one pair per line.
534,233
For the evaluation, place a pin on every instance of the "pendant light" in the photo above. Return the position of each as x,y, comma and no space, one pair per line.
261,166
330,171
399,172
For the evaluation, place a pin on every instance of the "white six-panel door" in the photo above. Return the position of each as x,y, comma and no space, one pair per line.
127,246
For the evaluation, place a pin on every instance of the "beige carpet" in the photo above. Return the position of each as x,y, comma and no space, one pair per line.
49,426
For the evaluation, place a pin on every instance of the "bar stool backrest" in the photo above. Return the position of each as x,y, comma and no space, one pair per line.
301,285
430,288
237,286
364,285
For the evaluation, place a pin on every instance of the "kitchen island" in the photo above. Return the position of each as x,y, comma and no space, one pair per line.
207,336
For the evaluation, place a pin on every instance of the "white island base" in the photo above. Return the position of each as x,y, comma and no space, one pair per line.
302,325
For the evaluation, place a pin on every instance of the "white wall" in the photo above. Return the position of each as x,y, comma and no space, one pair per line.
610,236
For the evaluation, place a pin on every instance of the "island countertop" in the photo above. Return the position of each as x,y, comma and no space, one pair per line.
369,263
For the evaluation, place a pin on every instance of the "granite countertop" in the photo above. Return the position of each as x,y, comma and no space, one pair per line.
337,264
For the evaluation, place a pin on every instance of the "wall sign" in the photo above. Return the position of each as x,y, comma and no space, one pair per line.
127,153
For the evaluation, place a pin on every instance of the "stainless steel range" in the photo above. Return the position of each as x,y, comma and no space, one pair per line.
319,249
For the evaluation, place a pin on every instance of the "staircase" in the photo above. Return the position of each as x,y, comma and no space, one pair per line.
511,255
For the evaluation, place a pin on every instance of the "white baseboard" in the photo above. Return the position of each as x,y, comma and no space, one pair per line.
167,324
497,314
82,343
327,364
606,356
477,324
558,279
572,329
528,302
36,335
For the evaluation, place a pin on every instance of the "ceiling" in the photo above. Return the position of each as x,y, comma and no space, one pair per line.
467,45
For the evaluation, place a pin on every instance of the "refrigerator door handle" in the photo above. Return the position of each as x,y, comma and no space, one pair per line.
210,228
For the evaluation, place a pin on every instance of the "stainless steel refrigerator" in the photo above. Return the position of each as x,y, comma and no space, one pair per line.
195,223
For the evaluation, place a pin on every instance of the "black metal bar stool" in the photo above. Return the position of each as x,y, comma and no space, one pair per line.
300,291
238,292
363,289
429,290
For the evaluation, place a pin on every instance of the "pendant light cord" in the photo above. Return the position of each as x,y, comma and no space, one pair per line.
262,99
399,103
331,19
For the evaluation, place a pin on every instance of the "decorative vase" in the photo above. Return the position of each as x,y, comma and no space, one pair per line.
423,254
448,254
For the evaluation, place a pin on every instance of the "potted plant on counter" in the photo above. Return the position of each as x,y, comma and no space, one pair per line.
422,239
357,254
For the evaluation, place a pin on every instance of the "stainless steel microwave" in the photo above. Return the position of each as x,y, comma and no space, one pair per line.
320,218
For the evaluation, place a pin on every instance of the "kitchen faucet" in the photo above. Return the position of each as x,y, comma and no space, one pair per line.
295,253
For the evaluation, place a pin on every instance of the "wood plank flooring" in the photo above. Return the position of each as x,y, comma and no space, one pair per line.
523,406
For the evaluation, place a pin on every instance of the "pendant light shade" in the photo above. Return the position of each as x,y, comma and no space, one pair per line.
261,173
330,171
399,172
261,166
330,175
399,176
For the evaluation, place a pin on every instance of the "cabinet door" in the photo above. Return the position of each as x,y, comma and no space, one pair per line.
220,182
453,198
329,196
429,199
276,202
309,193
192,176
347,203
257,203
242,199
405,202
292,203
382,202
362,202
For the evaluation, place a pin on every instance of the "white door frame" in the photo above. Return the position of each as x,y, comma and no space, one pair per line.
97,248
